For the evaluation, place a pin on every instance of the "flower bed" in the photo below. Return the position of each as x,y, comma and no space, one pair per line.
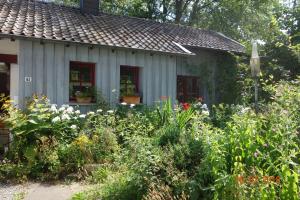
169,151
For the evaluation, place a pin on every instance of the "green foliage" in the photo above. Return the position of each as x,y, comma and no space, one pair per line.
54,142
262,146
13,172
167,152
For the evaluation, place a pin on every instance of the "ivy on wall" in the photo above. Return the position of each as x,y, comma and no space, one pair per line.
223,77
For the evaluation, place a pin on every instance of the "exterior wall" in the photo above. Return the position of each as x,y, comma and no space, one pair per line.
48,66
9,47
203,65
12,47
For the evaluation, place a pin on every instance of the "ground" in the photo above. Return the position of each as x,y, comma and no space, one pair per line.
38,191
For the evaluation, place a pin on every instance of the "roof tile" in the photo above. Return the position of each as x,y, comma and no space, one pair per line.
52,21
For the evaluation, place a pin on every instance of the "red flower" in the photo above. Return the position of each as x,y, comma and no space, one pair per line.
186,106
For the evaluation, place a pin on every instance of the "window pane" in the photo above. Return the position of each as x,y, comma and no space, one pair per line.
129,81
188,88
82,76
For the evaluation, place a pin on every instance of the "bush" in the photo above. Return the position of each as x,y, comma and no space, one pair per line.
10,172
167,152
257,156
53,142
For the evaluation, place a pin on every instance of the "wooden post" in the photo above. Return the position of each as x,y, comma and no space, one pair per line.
256,93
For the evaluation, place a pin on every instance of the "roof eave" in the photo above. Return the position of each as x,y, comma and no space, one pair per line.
22,37
215,49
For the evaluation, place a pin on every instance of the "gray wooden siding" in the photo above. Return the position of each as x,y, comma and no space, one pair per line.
48,65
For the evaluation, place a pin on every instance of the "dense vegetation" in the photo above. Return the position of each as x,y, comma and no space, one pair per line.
180,151
166,152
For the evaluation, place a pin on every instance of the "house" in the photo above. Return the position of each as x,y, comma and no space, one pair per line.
64,52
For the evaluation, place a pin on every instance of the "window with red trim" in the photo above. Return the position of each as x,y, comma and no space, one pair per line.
82,80
4,81
129,81
188,88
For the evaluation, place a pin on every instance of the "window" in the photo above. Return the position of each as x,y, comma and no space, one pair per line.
188,88
82,82
129,84
4,81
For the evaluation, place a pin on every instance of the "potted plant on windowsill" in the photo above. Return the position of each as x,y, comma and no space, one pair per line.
85,96
132,99
129,95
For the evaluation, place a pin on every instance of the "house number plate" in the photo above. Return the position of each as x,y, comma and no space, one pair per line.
28,79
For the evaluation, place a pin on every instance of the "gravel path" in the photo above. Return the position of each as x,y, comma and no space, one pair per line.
40,191
7,191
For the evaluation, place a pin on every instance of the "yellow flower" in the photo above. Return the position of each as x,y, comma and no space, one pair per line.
82,141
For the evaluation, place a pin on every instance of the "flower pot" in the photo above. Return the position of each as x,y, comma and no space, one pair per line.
84,99
131,99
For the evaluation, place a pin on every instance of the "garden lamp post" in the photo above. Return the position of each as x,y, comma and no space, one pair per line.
255,71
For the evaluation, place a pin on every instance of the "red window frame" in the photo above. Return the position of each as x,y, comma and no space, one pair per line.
186,95
125,69
77,64
8,58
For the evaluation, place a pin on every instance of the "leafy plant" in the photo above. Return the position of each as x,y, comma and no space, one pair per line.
86,92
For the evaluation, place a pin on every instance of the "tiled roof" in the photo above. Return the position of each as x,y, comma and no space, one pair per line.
35,19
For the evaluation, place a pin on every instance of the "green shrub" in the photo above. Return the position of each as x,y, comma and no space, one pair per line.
50,141
10,172
167,152
258,147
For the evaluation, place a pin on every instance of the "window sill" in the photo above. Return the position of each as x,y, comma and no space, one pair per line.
81,104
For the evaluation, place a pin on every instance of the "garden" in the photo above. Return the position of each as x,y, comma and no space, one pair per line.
168,151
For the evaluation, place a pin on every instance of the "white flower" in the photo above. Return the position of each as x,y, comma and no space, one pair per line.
245,110
124,103
205,112
110,111
132,105
77,112
70,110
99,111
114,90
204,107
53,108
65,117
61,109
56,119
90,113
82,116
65,106
73,127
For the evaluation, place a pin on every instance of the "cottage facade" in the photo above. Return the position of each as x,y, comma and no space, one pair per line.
56,51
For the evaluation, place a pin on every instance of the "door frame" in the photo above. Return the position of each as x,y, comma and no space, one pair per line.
12,60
